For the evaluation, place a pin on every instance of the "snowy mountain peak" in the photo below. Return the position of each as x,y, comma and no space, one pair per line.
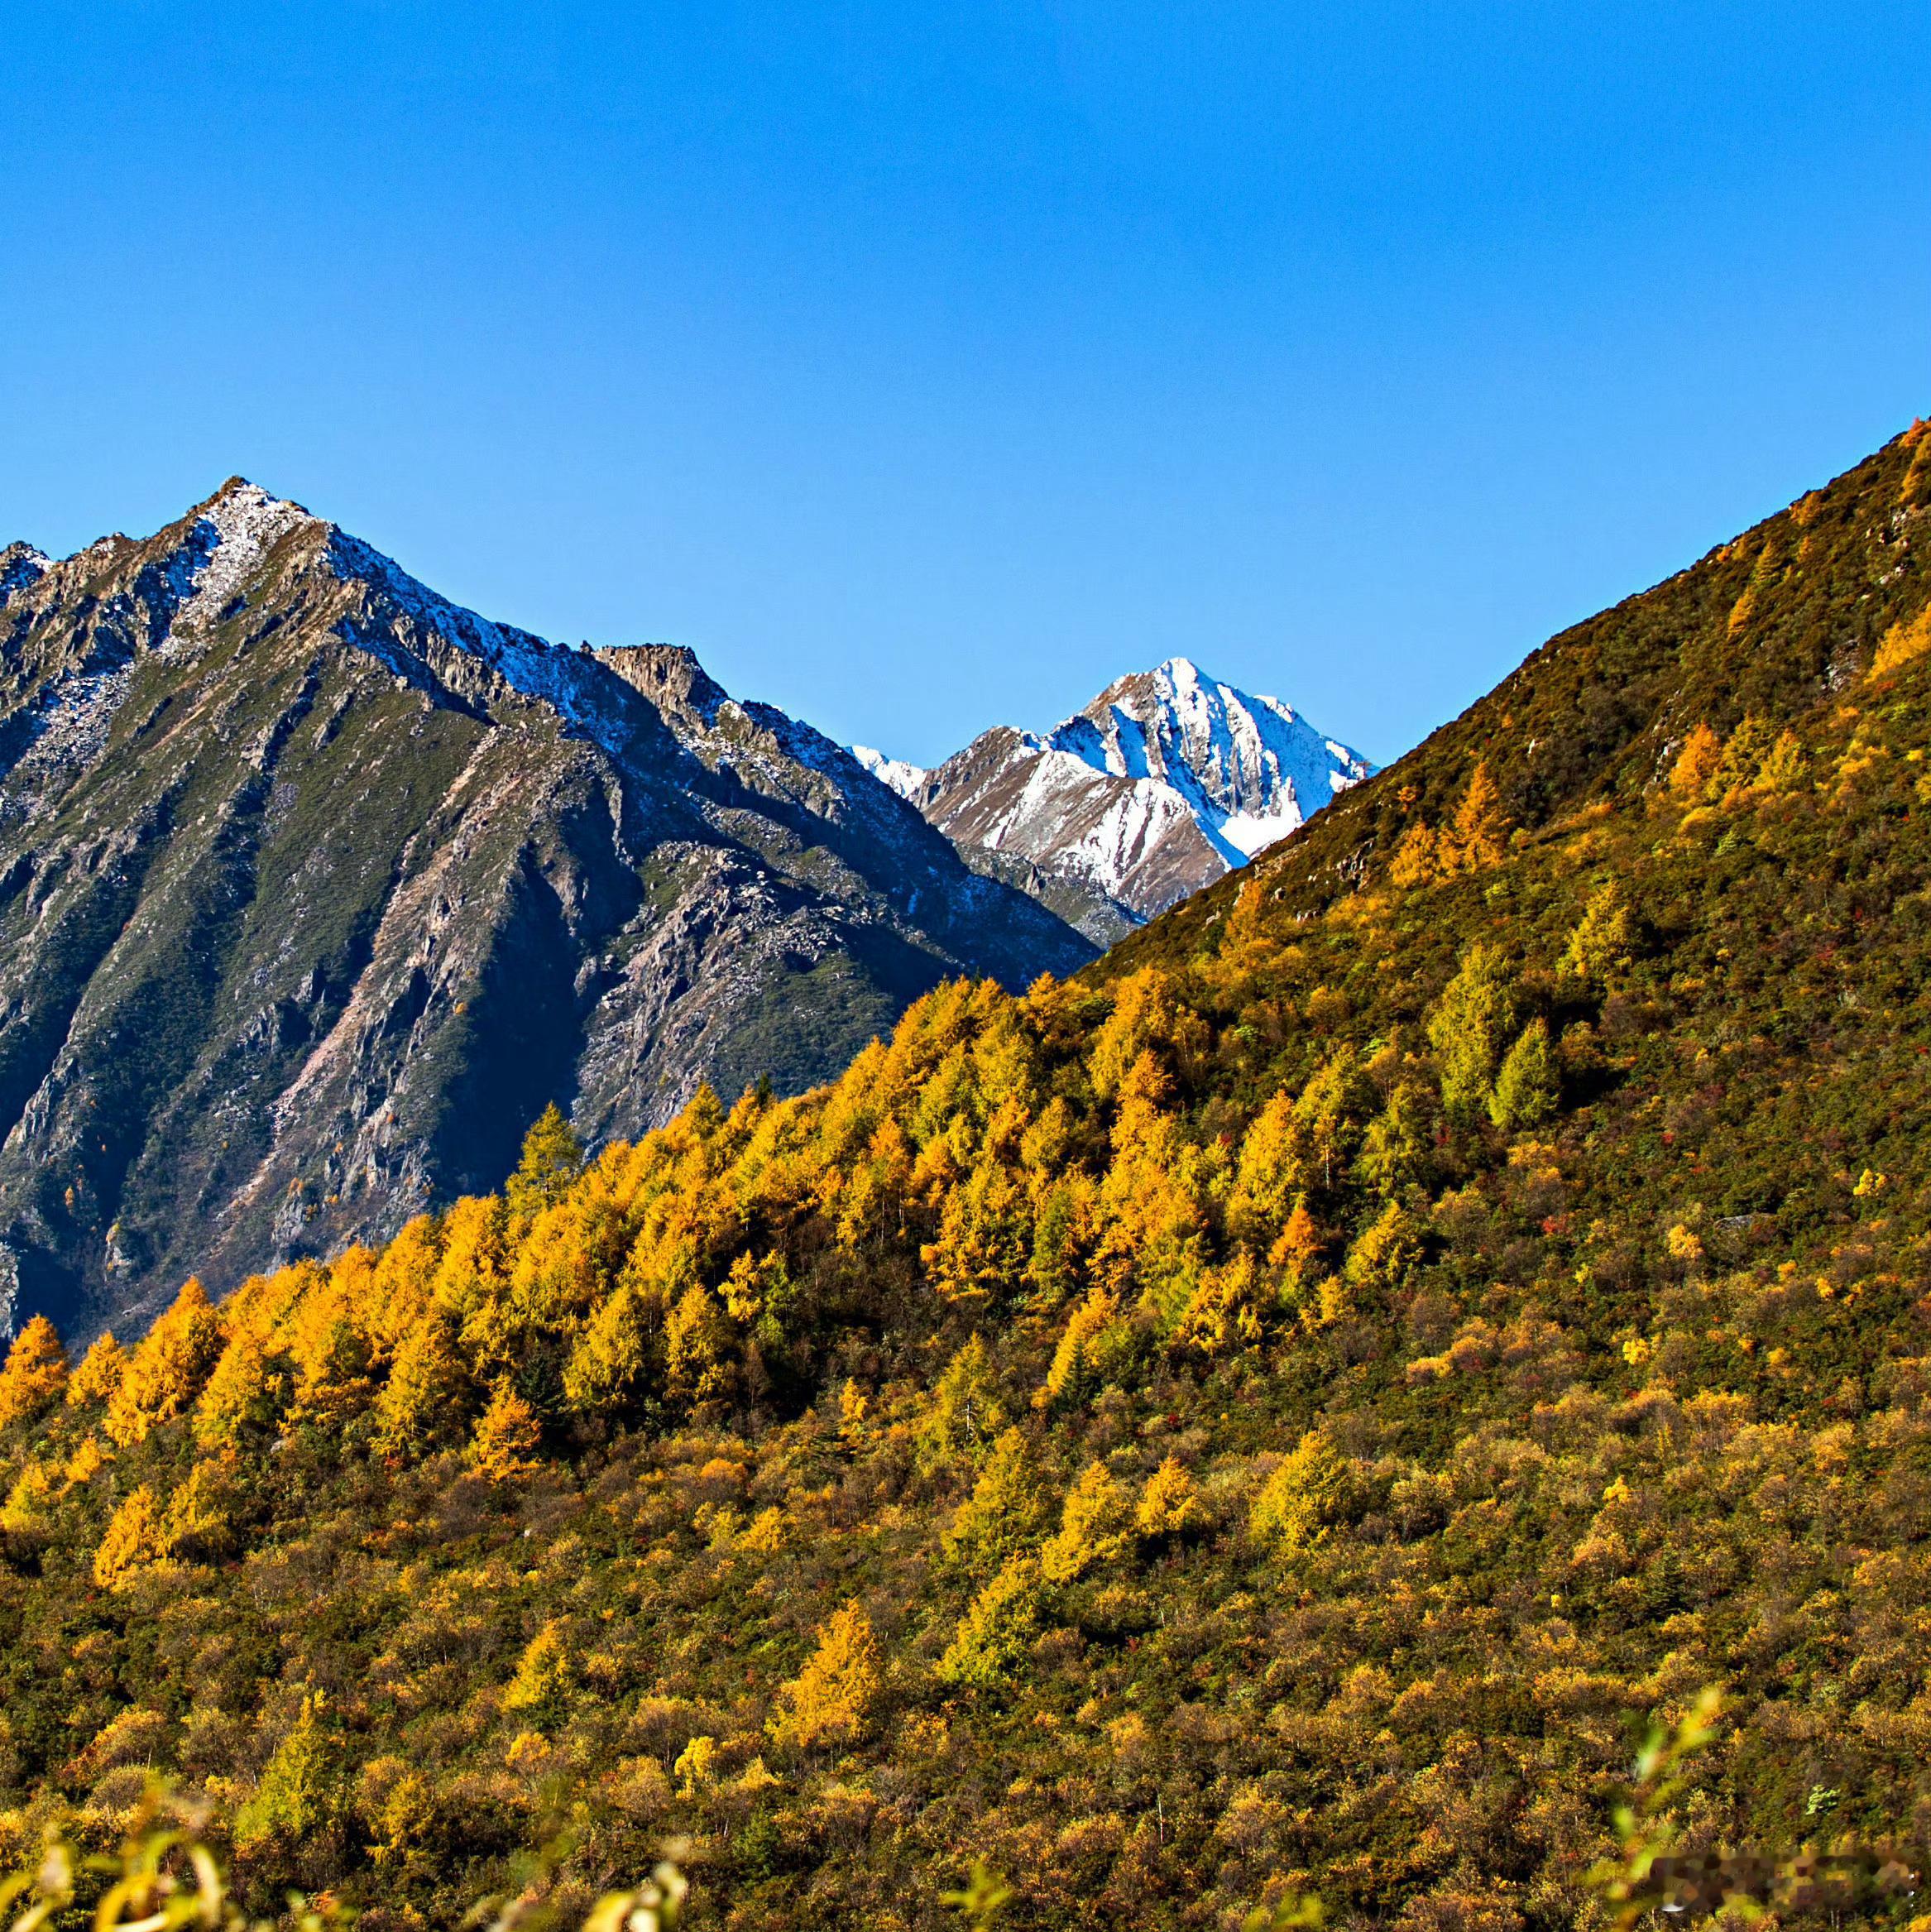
20,565
1168,779
903,777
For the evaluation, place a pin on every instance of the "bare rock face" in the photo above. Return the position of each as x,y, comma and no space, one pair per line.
314,889
1164,782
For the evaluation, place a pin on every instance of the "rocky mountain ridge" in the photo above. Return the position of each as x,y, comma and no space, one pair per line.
314,887
1166,781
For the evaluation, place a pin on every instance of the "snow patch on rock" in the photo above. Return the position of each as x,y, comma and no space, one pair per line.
903,777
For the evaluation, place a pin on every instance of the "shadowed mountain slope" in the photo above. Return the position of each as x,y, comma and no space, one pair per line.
314,889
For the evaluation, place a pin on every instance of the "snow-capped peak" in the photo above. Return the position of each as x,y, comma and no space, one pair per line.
903,777
232,532
1169,778
21,564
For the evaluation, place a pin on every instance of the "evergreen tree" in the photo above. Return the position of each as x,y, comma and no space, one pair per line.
1467,1029
293,1798
1526,1088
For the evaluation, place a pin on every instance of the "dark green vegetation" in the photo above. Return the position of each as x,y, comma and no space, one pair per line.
1256,1416
314,889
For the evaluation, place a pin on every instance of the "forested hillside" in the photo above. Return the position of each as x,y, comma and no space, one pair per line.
1260,1414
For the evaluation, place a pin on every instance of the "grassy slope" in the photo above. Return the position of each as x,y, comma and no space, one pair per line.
1645,1407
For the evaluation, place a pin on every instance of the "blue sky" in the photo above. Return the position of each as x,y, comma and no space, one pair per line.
925,368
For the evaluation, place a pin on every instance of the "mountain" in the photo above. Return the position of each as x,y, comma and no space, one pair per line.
1273,1414
1166,781
314,888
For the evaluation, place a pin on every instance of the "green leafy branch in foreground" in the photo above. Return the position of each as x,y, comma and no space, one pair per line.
166,1879
1649,1873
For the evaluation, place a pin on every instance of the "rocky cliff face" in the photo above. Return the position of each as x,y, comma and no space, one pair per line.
315,887
1166,781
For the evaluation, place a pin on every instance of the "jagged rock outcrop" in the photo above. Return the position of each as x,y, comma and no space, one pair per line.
314,888
1164,782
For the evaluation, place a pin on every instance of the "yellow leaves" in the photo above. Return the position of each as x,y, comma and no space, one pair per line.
1077,1361
1169,1506
133,1542
1417,860
1297,1502
100,1373
1600,940
1904,643
1224,1310
1092,1529
36,1371
1477,838
503,1448
829,1701
1683,1245
29,1502
240,1392
292,1797
1696,763
199,1520
697,1343
1636,1351
542,1672
984,1240
1751,764
993,1636
966,1413
168,1369
1148,1016
422,1402
696,1769
1006,1512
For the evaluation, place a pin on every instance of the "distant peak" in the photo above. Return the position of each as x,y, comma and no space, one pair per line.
20,565
903,777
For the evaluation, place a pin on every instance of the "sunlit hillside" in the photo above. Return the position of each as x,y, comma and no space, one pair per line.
1267,1413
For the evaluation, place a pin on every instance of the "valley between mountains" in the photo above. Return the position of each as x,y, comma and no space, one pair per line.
1266,1411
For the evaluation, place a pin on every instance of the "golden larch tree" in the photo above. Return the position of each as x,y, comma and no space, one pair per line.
829,1701
36,1371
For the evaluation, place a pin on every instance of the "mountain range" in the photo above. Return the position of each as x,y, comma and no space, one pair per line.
1252,1433
315,887
1166,781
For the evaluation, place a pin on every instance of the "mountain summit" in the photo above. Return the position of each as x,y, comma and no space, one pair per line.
315,887
1168,779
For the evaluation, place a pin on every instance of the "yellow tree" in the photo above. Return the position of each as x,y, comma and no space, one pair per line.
1169,1505
134,1539
1696,763
504,1446
421,1402
1299,1499
36,1371
1093,1526
1080,1358
829,1701
100,1373
552,1157
1478,837
1006,1512
167,1370
967,1414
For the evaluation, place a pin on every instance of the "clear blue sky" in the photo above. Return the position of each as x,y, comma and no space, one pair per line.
926,367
